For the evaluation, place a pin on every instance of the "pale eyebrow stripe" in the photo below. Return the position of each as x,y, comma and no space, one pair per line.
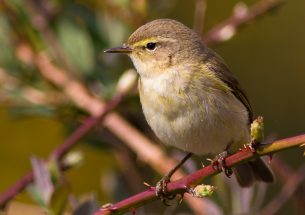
153,39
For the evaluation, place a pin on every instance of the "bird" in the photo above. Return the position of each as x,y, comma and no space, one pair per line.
190,98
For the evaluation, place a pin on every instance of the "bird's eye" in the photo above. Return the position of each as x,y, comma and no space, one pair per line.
151,46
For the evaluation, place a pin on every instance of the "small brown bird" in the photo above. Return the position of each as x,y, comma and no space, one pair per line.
189,97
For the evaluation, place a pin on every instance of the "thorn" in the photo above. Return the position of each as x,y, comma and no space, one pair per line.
147,185
209,159
133,211
107,206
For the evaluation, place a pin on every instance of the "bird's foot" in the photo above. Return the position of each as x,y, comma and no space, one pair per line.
161,190
253,145
219,163
161,187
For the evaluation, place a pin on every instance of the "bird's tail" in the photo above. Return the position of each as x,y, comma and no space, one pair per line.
247,173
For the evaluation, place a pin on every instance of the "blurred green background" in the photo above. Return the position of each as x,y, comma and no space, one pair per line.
267,56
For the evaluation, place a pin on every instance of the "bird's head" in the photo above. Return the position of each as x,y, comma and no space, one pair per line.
159,45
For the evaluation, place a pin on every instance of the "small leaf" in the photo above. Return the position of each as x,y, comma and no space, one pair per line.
202,190
114,31
42,180
73,159
25,111
54,170
257,130
36,195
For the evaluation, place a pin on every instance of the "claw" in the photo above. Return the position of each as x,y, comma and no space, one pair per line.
161,190
161,187
219,163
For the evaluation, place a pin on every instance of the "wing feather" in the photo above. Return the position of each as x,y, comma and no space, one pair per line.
216,64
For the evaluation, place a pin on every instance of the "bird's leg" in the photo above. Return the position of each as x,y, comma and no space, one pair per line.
219,163
161,187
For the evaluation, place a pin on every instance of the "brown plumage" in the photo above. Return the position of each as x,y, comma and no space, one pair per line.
189,97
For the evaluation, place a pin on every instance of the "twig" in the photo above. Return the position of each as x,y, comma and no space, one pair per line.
199,17
241,16
294,181
41,14
180,186
28,93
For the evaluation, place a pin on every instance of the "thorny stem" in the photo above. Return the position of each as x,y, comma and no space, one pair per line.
180,186
241,16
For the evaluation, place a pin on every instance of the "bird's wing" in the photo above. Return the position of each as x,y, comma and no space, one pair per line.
216,64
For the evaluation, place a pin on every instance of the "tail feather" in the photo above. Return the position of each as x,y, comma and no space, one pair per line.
244,175
247,173
261,171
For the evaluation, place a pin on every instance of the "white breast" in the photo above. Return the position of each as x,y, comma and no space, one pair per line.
192,119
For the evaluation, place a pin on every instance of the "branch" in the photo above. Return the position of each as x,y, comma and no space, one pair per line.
30,94
181,186
242,15
199,16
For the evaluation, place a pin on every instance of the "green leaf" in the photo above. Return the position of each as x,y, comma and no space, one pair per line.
77,45
28,111
36,195
112,30
43,187
54,170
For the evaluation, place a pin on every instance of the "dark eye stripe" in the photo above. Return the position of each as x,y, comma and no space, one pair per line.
151,46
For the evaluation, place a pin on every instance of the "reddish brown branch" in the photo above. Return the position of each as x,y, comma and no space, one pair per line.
180,186
241,16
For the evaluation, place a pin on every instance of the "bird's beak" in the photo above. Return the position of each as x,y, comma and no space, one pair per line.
123,49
